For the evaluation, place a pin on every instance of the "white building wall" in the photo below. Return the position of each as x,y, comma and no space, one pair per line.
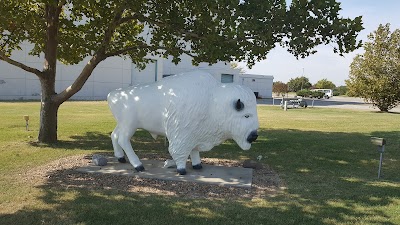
153,72
186,65
262,84
16,84
111,74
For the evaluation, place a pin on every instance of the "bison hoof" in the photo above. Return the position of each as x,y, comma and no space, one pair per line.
122,160
181,171
197,167
139,168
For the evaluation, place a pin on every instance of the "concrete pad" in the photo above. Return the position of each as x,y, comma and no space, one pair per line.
219,175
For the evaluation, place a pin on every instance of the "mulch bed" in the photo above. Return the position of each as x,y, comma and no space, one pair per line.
61,174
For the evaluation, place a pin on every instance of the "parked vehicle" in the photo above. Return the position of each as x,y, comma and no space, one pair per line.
293,103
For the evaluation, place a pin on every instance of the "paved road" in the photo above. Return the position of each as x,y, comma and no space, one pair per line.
335,102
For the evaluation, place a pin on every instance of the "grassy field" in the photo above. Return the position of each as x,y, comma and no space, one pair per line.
324,157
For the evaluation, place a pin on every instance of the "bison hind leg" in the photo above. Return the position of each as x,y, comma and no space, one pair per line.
118,151
122,160
125,132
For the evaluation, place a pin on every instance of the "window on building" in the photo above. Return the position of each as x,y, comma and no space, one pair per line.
226,78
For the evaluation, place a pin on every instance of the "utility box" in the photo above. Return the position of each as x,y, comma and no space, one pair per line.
378,141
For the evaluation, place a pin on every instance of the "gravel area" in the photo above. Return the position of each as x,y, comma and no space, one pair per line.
61,174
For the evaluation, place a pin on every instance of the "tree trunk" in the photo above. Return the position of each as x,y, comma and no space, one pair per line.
48,111
48,122
49,106
51,101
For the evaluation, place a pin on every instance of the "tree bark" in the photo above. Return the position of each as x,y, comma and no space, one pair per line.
49,106
48,121
48,109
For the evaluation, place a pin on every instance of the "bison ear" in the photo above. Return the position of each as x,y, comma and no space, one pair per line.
239,105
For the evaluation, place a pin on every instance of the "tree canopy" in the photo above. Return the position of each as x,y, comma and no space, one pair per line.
299,83
341,90
324,84
207,30
375,75
279,87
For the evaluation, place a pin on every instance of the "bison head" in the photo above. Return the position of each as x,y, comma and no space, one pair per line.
236,110
244,125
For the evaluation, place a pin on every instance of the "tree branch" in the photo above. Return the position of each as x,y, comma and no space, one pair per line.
125,50
143,45
120,52
21,65
93,62
110,30
80,81
61,4
180,31
127,19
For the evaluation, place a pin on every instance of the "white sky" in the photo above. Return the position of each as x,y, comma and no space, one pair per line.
325,64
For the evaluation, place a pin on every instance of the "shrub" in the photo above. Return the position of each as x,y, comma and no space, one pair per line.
317,94
341,90
304,93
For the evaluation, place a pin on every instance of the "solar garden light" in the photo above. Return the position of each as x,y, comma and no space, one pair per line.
26,118
380,142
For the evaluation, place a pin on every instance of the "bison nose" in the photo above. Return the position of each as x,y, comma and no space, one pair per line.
252,136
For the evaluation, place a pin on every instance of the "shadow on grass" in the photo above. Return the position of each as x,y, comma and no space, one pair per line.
89,141
390,112
330,178
113,207
102,141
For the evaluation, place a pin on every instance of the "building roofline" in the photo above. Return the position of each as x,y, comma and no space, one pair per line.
256,76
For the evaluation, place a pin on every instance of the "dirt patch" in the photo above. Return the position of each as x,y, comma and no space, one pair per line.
61,173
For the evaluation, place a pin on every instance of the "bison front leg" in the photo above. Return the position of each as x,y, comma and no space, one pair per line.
195,158
180,154
181,163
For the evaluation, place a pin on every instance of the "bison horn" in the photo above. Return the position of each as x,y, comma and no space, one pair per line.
239,105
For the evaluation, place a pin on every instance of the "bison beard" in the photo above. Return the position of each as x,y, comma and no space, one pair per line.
193,110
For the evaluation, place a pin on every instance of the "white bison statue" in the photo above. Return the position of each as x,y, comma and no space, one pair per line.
193,110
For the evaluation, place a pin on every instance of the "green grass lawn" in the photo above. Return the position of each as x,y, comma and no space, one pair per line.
324,157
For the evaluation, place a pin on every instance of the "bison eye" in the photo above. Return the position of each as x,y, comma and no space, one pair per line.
247,115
